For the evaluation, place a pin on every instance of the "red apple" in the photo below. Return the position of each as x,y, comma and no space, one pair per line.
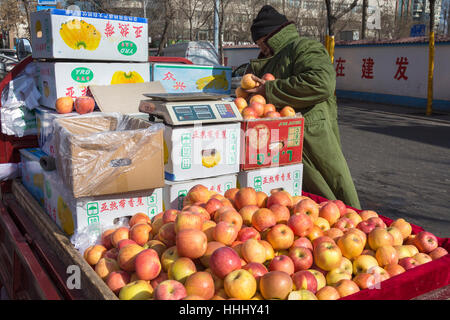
263,219
275,285
160,278
301,224
344,224
301,257
280,236
213,205
304,280
248,233
308,206
281,213
282,263
191,243
225,232
116,280
303,242
268,77
125,242
330,212
438,253
280,197
425,241
341,205
140,233
366,226
84,104
147,264
170,215
170,290
200,284
256,269
245,197
408,263
223,261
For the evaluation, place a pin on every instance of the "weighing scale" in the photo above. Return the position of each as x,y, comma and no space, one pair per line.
190,108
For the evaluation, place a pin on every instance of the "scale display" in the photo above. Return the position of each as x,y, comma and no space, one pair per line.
191,113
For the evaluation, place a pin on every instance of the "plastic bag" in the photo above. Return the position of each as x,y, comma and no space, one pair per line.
91,235
18,121
93,150
22,90
10,171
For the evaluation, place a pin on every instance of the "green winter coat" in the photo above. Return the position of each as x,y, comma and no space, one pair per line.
306,80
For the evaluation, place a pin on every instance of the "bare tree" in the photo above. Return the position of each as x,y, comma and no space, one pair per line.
332,18
197,13
169,14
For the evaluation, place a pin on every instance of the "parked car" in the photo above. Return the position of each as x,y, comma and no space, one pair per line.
8,59
237,75
199,52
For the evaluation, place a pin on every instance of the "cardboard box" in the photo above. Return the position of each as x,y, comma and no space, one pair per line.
108,153
271,142
44,120
72,214
174,192
195,152
66,34
32,173
288,178
59,79
178,78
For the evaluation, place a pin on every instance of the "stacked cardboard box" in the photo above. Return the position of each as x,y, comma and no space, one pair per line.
108,165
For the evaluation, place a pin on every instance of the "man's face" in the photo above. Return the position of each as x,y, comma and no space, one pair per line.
264,48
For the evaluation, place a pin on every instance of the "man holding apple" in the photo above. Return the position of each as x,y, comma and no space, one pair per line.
304,79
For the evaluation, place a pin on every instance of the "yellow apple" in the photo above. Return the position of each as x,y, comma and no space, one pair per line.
302,295
396,235
240,284
379,237
321,280
137,290
327,256
351,245
363,264
335,275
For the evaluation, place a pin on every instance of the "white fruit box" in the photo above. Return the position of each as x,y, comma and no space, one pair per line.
32,172
59,79
195,152
174,192
288,178
74,215
67,34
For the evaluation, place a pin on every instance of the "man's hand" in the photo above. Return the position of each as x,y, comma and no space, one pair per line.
261,89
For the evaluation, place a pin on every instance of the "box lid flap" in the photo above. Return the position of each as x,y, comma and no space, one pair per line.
124,98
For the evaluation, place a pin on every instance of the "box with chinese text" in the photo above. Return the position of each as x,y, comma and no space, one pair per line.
79,35
72,214
32,172
59,79
177,78
195,152
288,178
174,192
271,142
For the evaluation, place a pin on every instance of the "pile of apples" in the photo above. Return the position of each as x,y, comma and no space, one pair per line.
250,245
255,106
82,105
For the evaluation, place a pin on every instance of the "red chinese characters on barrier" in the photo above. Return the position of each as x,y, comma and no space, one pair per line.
340,67
367,68
402,62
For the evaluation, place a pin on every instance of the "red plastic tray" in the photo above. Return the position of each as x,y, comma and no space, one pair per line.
412,283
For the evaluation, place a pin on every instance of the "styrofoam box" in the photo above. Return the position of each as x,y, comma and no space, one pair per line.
72,214
174,192
196,152
59,79
32,173
79,35
288,178
177,78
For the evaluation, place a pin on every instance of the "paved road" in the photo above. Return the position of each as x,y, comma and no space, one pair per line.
400,162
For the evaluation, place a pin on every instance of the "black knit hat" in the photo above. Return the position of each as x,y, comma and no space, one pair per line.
267,20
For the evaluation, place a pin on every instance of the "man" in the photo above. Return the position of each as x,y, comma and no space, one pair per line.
305,80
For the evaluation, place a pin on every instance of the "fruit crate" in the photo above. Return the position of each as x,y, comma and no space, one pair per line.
412,283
